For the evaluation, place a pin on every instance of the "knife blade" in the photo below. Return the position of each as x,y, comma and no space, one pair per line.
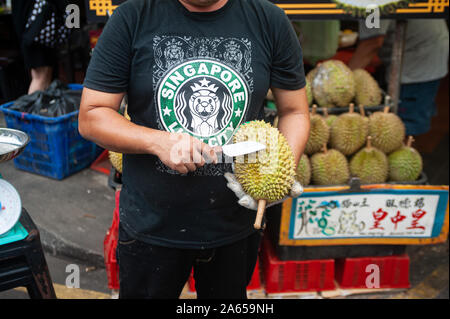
242,148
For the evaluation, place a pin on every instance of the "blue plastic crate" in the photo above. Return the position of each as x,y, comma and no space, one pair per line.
56,149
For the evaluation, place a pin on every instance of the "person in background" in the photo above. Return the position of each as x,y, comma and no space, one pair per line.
37,58
425,63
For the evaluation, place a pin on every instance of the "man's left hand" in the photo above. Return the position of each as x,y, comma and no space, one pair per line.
249,202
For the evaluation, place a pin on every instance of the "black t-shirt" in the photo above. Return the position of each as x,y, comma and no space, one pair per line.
199,73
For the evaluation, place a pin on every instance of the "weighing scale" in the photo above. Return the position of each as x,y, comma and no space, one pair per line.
12,143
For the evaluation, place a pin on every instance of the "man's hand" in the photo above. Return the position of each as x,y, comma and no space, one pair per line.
184,153
249,202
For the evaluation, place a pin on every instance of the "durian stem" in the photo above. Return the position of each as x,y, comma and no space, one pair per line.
351,108
325,112
314,109
362,111
410,141
369,141
386,109
325,149
260,213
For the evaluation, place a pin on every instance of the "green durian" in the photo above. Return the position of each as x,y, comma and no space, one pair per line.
304,170
309,94
370,165
367,91
329,118
405,164
333,84
269,174
329,167
387,131
319,133
349,132
358,8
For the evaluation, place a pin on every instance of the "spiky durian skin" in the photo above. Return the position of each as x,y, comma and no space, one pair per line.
387,131
330,120
309,94
367,90
319,134
405,165
116,160
370,165
349,133
311,75
330,168
304,171
333,84
268,174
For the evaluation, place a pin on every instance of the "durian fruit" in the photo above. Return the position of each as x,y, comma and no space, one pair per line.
370,165
116,158
405,164
329,118
363,114
268,175
311,75
319,133
387,131
333,85
349,132
304,171
309,94
329,167
367,90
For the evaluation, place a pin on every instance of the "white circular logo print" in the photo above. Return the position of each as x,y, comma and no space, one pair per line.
203,98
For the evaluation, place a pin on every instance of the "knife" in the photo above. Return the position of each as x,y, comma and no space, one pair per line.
242,148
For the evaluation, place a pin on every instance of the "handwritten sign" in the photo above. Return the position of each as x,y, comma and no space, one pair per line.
390,214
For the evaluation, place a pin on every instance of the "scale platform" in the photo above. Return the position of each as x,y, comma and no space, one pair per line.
16,234
12,143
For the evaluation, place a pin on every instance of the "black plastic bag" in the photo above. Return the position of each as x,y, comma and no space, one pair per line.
56,101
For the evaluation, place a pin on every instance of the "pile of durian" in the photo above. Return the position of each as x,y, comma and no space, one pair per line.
354,145
332,85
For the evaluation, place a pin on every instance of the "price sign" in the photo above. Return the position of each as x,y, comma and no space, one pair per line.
384,214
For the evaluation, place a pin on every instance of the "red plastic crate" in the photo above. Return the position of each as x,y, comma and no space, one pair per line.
295,276
393,270
109,249
255,282
102,163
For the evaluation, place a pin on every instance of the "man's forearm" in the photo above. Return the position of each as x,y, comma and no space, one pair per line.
295,127
107,128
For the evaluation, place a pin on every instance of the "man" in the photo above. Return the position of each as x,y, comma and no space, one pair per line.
194,70
425,63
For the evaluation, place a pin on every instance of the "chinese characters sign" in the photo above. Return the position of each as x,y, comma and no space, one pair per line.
389,215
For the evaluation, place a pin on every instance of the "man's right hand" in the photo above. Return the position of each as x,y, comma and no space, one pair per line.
184,153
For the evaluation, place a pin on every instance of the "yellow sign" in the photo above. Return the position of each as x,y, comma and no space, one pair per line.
102,7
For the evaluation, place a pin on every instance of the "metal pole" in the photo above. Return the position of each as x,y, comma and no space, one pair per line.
395,75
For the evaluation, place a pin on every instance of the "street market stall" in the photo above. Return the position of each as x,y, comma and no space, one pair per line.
332,232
